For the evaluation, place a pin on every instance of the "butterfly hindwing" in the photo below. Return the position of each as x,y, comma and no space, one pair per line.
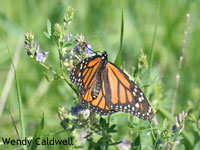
125,94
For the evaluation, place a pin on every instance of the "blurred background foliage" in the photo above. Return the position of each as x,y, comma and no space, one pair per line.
99,21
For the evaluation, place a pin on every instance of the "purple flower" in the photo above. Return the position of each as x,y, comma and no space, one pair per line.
29,53
27,47
37,50
28,50
76,49
79,39
176,120
169,146
88,52
33,49
45,54
73,127
41,57
66,120
179,122
68,36
124,145
174,128
86,45
177,143
99,132
183,125
34,44
85,113
63,125
75,110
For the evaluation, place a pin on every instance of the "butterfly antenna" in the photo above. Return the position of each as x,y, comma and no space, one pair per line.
96,52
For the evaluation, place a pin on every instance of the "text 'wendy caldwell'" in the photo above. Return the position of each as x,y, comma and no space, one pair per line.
38,141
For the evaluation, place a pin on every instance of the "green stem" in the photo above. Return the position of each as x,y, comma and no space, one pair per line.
60,53
63,77
60,57
71,85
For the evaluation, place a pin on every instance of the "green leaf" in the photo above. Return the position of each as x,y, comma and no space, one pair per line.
47,77
111,129
37,134
165,124
49,27
115,143
197,145
154,80
47,35
118,60
51,73
145,77
67,44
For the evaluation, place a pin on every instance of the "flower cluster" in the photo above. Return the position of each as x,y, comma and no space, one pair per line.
33,49
78,49
82,46
77,117
172,145
142,60
180,122
68,16
57,31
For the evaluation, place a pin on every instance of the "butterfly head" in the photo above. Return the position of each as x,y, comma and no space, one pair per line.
104,56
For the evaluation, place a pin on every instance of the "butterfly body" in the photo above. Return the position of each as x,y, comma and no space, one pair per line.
108,89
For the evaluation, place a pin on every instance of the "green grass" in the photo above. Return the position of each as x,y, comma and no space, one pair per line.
21,115
118,60
100,22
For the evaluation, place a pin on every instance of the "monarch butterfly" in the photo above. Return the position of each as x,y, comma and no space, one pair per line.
108,89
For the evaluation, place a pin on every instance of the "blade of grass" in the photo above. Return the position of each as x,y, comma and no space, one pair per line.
152,53
10,75
154,36
38,133
19,96
14,124
118,60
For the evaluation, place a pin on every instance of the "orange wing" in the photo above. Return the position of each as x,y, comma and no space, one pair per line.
108,89
99,103
124,95
84,72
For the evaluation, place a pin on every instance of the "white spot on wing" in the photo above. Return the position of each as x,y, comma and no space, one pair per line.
137,105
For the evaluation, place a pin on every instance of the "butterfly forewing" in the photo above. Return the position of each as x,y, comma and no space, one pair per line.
84,72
